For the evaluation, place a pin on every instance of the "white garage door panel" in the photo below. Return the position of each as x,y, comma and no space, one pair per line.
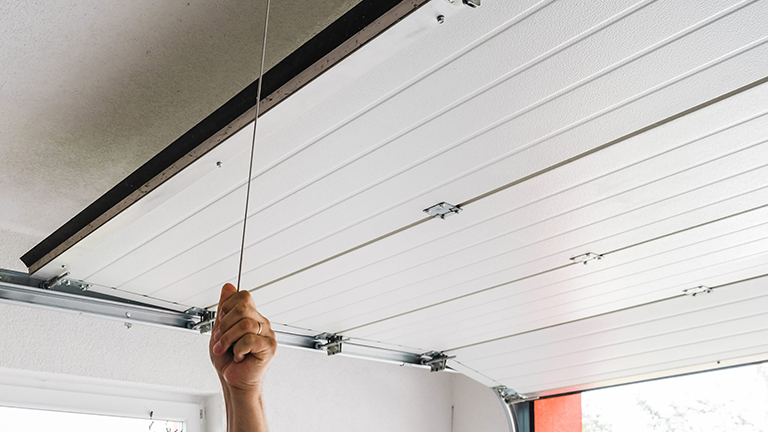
371,226
599,191
560,308
567,177
742,345
354,313
636,330
612,289
638,337
444,275
695,331
332,219
634,321
662,256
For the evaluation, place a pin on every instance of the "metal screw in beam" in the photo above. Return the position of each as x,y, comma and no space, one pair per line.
440,19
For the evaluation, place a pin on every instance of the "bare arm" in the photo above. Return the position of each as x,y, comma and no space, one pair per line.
241,348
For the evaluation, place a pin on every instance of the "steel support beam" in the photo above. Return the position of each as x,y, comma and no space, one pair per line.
130,313
19,288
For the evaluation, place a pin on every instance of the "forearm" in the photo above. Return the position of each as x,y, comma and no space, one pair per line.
245,410
227,402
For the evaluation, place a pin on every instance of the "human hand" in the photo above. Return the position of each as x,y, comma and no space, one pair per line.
242,343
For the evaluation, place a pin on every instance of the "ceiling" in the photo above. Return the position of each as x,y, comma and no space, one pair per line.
90,91
634,130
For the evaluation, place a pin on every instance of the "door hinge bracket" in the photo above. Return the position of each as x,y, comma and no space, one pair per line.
207,318
586,257
332,345
701,289
442,210
436,360
512,397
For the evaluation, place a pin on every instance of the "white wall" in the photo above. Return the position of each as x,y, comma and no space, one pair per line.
476,408
310,391
304,390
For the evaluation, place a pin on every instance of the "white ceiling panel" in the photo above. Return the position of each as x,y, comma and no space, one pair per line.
605,127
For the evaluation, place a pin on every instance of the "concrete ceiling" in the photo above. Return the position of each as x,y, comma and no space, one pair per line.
90,90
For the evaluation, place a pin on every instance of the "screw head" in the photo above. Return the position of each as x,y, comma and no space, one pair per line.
440,19
219,164
127,314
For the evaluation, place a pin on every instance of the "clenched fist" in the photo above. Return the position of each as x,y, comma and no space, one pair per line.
242,346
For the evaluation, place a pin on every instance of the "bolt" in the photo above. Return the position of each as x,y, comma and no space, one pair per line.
440,19
219,164
128,325
127,314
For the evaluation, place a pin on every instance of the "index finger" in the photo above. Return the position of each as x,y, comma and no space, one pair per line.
227,291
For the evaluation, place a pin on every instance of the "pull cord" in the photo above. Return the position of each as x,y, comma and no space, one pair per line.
253,145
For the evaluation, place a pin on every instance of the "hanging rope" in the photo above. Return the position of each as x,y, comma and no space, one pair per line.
253,144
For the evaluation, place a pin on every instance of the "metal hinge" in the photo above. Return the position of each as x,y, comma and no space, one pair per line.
436,360
701,289
587,257
61,280
442,210
207,318
332,345
512,397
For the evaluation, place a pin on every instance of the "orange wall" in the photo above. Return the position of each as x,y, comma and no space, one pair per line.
558,414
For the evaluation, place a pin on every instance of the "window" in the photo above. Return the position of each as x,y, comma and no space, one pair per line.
31,420
36,401
728,400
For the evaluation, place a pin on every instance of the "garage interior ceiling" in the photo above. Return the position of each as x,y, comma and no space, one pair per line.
91,90
632,130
